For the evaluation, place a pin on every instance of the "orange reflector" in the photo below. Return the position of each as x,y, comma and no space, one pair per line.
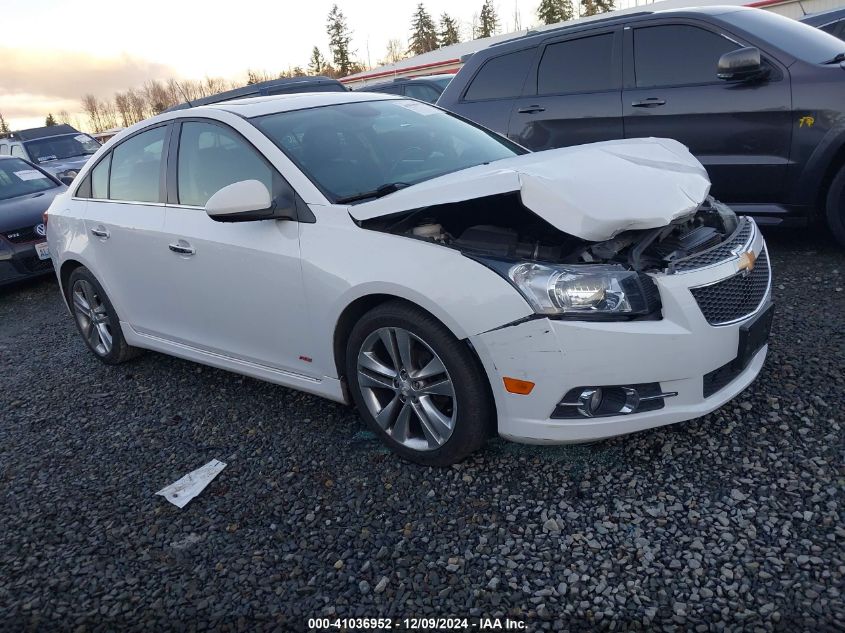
517,386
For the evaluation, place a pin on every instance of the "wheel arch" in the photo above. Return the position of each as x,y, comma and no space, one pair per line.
353,312
65,271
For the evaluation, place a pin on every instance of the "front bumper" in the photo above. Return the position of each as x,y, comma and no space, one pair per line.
20,261
677,352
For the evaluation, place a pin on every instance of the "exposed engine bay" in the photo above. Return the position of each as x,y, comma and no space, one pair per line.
501,226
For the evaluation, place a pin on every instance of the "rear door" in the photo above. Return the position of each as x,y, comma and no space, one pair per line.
740,131
490,94
124,220
573,94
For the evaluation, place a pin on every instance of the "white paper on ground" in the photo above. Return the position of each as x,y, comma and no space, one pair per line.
180,492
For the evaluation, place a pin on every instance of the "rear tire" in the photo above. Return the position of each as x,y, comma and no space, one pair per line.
96,319
835,207
420,389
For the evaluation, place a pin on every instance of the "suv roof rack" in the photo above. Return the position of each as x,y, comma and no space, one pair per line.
42,132
533,32
273,86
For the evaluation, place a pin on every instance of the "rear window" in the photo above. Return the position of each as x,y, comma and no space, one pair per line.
793,37
500,77
582,65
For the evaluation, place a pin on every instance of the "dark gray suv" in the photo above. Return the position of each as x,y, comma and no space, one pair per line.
758,98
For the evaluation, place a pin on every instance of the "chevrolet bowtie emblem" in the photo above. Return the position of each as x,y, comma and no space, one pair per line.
746,262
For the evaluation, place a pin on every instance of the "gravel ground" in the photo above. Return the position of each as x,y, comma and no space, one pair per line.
729,522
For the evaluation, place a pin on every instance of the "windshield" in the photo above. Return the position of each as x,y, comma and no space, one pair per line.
43,150
365,149
18,178
442,81
795,38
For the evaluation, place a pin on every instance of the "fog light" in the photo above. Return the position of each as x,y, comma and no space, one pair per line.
591,402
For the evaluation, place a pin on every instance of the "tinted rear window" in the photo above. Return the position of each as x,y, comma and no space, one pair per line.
500,77
677,55
582,65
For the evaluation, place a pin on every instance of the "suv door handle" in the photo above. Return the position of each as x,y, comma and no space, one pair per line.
182,247
651,102
101,232
531,109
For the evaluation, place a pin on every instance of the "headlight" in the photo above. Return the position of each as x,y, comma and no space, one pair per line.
582,291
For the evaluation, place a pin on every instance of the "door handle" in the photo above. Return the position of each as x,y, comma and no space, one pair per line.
182,247
651,102
101,232
531,109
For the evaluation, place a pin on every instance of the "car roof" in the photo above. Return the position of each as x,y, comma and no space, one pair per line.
534,36
258,106
43,132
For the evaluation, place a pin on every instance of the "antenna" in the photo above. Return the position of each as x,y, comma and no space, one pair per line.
184,96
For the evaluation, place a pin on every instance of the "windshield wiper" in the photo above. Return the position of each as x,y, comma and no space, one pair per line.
840,57
378,192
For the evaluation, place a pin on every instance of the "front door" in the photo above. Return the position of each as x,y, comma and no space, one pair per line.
740,131
235,288
573,95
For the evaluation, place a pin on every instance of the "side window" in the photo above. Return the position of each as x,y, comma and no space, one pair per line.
421,92
17,150
582,65
212,157
136,168
500,77
100,179
677,55
4,149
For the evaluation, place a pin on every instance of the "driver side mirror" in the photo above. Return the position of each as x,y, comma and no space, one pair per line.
743,64
66,180
248,201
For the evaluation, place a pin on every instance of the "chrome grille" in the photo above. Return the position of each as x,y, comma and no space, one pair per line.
741,236
736,297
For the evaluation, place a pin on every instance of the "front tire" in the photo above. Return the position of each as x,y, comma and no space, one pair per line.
418,387
835,207
96,319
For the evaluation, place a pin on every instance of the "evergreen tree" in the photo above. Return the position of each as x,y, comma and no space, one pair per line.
50,121
449,31
4,127
339,39
423,32
317,63
594,7
554,11
488,21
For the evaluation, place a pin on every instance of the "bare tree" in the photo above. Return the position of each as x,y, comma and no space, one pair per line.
64,117
91,106
395,51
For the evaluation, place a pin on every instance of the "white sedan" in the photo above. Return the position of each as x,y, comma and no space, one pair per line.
380,251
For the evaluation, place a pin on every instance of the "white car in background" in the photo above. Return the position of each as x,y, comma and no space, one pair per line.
378,250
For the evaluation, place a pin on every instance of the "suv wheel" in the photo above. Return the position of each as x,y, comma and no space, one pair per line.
835,207
96,319
418,388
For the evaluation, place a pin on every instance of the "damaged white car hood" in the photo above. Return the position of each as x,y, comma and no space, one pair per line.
593,191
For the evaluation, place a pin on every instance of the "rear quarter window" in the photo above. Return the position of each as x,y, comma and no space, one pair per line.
500,77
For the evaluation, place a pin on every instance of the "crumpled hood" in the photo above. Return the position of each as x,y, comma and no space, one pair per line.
593,191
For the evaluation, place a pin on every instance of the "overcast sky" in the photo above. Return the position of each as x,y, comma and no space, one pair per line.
54,51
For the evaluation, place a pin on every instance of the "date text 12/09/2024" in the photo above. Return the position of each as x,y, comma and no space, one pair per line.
416,624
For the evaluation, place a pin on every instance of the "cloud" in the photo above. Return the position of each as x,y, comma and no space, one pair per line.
68,75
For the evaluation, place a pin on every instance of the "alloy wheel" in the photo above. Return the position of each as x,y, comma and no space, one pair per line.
407,388
92,317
